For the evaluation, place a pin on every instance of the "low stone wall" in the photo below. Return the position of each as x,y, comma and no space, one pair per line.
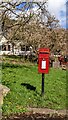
1,102
3,92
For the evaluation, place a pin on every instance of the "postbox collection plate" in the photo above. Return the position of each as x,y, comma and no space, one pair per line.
43,66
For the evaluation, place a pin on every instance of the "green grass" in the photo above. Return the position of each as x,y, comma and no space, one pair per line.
21,97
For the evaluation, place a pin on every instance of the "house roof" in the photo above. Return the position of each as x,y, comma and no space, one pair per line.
3,40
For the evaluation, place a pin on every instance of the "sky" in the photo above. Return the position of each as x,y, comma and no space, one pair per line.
58,8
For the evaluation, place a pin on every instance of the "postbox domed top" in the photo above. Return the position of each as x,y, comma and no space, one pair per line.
44,50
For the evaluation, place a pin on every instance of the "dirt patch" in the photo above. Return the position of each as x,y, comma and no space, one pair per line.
36,116
39,114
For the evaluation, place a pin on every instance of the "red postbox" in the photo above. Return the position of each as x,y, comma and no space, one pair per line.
43,60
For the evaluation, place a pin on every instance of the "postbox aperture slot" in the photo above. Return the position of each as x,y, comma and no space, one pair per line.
43,53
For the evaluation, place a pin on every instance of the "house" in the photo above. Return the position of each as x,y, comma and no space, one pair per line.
10,48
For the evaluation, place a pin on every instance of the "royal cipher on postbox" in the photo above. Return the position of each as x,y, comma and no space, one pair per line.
43,60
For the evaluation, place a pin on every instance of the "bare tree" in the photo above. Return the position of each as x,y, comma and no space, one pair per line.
28,22
16,14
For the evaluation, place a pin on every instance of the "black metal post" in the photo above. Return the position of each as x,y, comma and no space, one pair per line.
42,84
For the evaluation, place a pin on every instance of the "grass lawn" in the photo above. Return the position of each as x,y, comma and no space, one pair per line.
25,88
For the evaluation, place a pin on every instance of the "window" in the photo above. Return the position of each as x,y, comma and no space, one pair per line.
3,47
8,47
27,48
22,47
0,47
